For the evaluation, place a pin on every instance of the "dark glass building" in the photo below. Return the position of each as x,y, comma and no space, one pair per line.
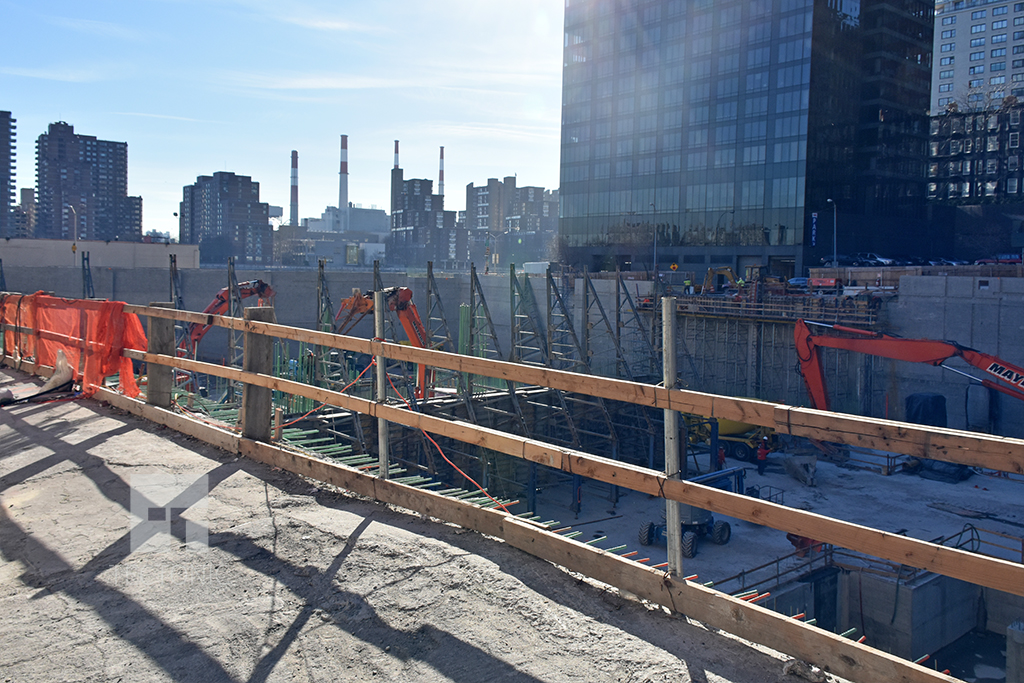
723,128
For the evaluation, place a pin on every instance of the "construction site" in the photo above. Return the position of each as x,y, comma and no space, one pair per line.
831,472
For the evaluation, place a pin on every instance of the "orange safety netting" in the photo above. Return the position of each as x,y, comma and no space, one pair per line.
92,335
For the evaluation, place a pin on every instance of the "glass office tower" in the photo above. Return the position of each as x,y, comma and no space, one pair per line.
720,130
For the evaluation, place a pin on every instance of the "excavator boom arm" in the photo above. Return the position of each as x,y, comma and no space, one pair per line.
887,346
220,304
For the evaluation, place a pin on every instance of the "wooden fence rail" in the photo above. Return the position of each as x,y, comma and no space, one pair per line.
842,656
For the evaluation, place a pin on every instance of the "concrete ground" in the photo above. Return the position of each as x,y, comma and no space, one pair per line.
133,553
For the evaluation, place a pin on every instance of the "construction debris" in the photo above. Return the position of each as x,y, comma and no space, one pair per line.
803,670
801,468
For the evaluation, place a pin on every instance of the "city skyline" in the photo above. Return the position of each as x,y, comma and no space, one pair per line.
196,88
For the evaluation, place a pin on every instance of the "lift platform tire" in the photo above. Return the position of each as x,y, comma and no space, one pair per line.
721,533
689,545
743,451
645,534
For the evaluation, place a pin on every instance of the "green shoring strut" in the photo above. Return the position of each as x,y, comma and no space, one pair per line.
615,549
847,634
596,540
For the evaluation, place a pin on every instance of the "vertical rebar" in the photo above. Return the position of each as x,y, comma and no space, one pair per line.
673,530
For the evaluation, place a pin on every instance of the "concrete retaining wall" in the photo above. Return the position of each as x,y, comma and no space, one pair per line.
733,357
908,620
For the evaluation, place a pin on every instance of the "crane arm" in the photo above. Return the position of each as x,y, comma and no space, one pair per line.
398,299
926,351
221,303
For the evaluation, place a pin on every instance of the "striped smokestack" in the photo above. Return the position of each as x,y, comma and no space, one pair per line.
440,177
343,182
396,153
293,215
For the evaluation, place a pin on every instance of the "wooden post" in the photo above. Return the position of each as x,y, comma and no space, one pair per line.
673,528
160,377
259,358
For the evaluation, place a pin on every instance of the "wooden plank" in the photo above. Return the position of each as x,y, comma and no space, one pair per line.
1000,453
978,569
211,434
841,656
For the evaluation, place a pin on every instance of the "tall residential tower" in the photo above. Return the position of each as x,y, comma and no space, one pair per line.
82,188
223,214
7,129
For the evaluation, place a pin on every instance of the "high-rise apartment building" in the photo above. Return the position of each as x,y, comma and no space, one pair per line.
82,188
979,54
715,132
508,223
7,130
421,230
223,214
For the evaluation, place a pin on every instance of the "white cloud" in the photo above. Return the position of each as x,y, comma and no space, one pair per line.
163,116
339,25
58,73
99,28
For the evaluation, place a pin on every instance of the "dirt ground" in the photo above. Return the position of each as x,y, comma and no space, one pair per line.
132,553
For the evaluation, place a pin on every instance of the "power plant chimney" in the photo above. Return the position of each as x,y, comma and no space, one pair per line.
293,215
343,182
440,177
396,153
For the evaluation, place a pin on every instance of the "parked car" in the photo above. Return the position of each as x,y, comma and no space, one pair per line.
800,282
842,260
1000,259
870,258
908,260
947,262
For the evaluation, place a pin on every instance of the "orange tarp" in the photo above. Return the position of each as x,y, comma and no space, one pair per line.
92,335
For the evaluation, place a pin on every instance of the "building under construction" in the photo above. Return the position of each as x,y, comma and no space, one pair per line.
612,329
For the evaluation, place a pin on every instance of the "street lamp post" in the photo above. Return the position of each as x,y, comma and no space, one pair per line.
719,223
835,253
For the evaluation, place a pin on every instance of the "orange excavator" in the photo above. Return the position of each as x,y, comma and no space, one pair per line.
399,300
1010,376
219,306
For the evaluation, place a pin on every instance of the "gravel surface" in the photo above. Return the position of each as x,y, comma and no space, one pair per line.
265,576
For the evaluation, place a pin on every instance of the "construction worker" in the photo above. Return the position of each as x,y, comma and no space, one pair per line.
762,456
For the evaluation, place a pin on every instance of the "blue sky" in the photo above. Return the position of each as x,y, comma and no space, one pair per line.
199,86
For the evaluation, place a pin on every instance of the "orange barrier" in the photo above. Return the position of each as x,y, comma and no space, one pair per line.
92,335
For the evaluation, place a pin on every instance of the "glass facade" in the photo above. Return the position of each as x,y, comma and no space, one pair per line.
722,126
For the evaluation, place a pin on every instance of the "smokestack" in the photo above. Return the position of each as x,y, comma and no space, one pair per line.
396,153
343,182
293,216
440,177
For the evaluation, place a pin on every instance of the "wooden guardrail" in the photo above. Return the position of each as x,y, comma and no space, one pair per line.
842,656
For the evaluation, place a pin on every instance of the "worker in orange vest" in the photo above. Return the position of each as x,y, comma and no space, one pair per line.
762,456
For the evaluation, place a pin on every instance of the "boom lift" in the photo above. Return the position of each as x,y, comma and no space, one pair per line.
890,346
399,300
219,306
